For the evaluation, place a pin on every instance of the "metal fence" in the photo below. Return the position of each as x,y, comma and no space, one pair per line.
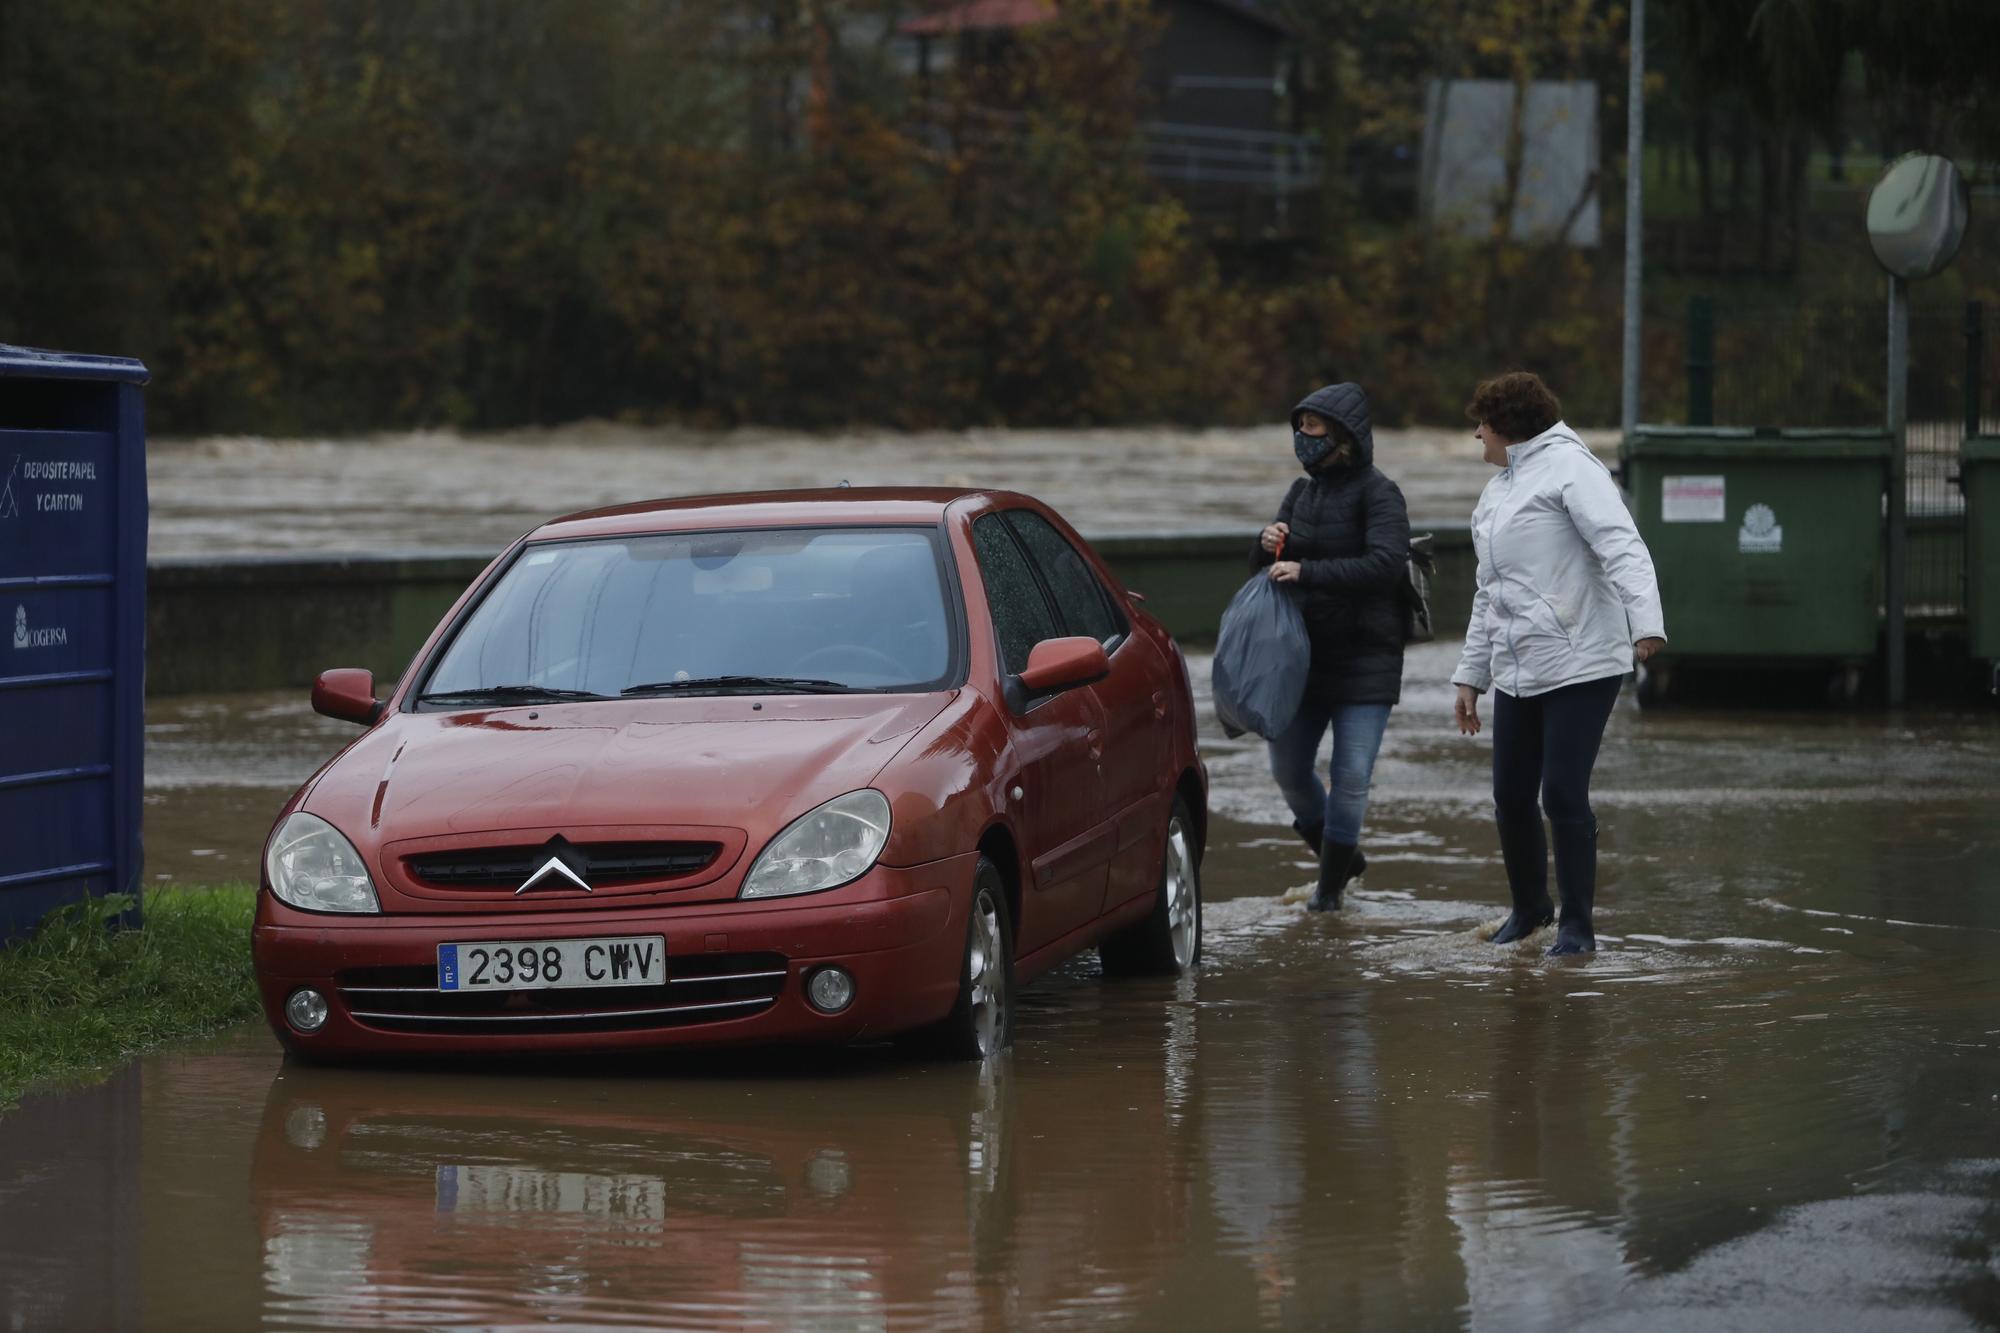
1825,366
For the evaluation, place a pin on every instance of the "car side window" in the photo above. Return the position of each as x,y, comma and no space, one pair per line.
1086,606
1021,615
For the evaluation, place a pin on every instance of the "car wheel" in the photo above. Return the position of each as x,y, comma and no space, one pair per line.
1168,941
981,1022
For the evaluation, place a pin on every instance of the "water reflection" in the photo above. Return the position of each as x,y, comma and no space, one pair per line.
846,1198
69,1217
1771,1101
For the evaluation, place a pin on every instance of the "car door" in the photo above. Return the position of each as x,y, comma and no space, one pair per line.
1053,781
1133,697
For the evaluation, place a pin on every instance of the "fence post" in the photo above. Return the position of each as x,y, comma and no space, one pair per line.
1975,364
1701,361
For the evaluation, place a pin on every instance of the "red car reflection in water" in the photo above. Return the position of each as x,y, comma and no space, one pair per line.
744,1198
815,765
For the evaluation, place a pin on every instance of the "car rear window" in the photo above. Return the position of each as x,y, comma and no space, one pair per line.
862,608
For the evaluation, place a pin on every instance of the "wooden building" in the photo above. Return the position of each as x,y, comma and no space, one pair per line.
1215,80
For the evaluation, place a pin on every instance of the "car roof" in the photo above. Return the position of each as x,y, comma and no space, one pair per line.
830,507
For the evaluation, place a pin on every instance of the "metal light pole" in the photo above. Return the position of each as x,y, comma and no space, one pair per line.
1898,420
1916,218
1635,167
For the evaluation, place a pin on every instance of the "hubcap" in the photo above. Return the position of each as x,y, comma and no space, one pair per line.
1181,891
987,971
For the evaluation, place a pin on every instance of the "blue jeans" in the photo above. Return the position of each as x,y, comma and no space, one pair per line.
1357,738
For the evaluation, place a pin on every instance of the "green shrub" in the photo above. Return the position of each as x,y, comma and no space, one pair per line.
83,994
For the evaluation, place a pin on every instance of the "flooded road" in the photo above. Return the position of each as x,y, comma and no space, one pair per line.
1771,1101
449,492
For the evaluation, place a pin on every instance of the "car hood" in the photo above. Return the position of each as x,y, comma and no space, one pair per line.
730,763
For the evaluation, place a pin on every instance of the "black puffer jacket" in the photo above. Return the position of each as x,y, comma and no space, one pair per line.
1350,531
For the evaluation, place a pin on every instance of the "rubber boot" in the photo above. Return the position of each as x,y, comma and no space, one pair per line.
1336,867
1311,834
1526,857
1576,884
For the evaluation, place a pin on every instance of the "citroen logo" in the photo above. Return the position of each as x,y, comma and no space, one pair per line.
555,865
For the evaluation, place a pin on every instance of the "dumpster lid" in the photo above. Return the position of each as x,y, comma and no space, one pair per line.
35,363
1746,442
1981,449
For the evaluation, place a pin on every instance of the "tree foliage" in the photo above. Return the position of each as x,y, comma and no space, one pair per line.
332,215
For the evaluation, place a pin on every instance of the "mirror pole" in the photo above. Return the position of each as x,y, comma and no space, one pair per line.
1898,421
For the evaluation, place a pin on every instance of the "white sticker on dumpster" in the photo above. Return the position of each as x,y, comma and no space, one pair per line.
1760,533
1692,500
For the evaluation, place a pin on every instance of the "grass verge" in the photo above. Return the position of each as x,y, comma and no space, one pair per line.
77,996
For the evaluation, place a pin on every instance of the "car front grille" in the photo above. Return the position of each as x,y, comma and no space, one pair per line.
700,988
604,864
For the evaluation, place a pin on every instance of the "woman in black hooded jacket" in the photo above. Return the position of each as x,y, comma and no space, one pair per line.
1341,538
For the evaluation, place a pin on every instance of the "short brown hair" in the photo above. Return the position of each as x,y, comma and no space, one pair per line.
1517,404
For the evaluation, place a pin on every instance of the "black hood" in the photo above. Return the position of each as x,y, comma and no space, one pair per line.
1348,405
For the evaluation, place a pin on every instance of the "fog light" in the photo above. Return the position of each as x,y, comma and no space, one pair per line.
306,1010
830,990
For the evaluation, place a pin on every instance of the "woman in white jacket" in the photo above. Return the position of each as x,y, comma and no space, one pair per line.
1567,600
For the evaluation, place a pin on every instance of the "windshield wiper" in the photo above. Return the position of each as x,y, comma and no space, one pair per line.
524,693
773,684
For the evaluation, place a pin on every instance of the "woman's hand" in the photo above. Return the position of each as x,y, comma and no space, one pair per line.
1645,648
1466,711
1285,571
1274,534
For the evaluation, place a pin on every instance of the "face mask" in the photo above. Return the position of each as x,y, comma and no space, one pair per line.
1311,449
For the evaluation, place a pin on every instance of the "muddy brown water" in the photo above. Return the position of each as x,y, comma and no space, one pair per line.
446,491
1771,1101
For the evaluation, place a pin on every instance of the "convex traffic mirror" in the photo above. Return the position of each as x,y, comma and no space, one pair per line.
1917,215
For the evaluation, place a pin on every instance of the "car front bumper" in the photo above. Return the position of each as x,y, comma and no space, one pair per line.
736,972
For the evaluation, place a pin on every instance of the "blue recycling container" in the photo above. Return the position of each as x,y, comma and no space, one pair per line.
72,629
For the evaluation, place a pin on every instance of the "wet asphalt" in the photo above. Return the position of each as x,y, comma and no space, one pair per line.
1771,1100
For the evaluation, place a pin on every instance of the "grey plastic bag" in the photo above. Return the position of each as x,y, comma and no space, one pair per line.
1262,655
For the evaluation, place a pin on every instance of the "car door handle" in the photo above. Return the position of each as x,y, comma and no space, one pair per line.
1095,740
1159,705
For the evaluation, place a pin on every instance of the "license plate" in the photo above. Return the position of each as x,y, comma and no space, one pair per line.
521,1189
630,960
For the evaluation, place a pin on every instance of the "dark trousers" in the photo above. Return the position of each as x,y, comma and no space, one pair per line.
1548,744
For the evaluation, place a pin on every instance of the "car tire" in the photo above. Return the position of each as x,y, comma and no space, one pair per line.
981,1021
1168,941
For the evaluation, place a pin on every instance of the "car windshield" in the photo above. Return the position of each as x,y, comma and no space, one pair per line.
776,610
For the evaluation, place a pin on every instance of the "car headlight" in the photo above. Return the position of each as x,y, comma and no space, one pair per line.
823,848
311,865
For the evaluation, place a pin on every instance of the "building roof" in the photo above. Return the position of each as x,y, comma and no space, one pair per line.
997,15
981,16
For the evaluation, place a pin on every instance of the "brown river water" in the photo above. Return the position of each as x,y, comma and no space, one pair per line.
448,491
1771,1101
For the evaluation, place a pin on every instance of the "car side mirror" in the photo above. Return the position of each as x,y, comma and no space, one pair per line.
1063,664
347,693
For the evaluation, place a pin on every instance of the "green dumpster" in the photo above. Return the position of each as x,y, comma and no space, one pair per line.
1769,544
1979,475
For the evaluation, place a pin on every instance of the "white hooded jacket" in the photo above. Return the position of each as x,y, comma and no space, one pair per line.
1566,585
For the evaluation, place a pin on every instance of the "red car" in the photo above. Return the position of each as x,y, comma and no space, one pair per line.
800,766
